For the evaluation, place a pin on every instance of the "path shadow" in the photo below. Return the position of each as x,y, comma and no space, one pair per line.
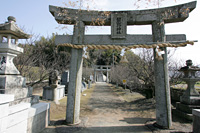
109,129
136,120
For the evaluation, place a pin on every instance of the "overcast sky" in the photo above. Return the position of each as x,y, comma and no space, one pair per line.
34,17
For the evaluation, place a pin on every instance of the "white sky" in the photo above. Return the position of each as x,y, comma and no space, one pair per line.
35,17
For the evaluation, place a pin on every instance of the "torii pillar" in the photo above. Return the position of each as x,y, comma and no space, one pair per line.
162,89
74,88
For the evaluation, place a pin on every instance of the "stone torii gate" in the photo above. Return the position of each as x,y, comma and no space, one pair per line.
101,68
118,20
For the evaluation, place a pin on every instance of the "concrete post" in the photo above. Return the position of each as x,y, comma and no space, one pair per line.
75,79
162,89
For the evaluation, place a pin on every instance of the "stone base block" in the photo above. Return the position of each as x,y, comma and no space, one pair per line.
14,84
16,120
182,115
21,100
18,92
196,120
48,93
53,94
12,81
191,100
38,117
186,108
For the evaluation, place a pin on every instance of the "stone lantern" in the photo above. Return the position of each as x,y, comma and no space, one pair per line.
11,82
190,99
191,95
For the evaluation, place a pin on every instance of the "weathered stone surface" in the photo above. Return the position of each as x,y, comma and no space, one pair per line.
38,117
162,89
75,79
118,25
10,48
18,108
14,84
38,108
12,81
54,94
11,28
107,40
21,100
7,66
172,14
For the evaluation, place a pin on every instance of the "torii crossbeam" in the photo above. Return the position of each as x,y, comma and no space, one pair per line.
118,20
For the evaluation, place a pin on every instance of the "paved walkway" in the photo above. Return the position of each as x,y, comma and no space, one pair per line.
107,113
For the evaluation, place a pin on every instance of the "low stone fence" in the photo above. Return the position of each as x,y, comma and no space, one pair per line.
22,118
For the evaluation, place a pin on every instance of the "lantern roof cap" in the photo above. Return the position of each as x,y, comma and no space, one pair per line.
10,27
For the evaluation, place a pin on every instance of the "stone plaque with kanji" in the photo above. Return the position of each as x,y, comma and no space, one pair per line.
118,25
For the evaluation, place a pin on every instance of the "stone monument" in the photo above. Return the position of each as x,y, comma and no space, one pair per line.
190,98
65,80
54,91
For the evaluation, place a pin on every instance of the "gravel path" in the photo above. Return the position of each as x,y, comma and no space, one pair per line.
110,114
109,111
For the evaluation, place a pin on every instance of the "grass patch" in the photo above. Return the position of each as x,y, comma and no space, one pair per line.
58,111
125,94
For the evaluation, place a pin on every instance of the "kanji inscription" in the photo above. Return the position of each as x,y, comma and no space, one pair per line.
118,25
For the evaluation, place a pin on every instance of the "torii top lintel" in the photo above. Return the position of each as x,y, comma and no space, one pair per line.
171,14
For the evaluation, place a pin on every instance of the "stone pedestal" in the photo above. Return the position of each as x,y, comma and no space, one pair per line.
53,93
11,82
191,96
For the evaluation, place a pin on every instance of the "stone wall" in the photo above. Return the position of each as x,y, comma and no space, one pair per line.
23,117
